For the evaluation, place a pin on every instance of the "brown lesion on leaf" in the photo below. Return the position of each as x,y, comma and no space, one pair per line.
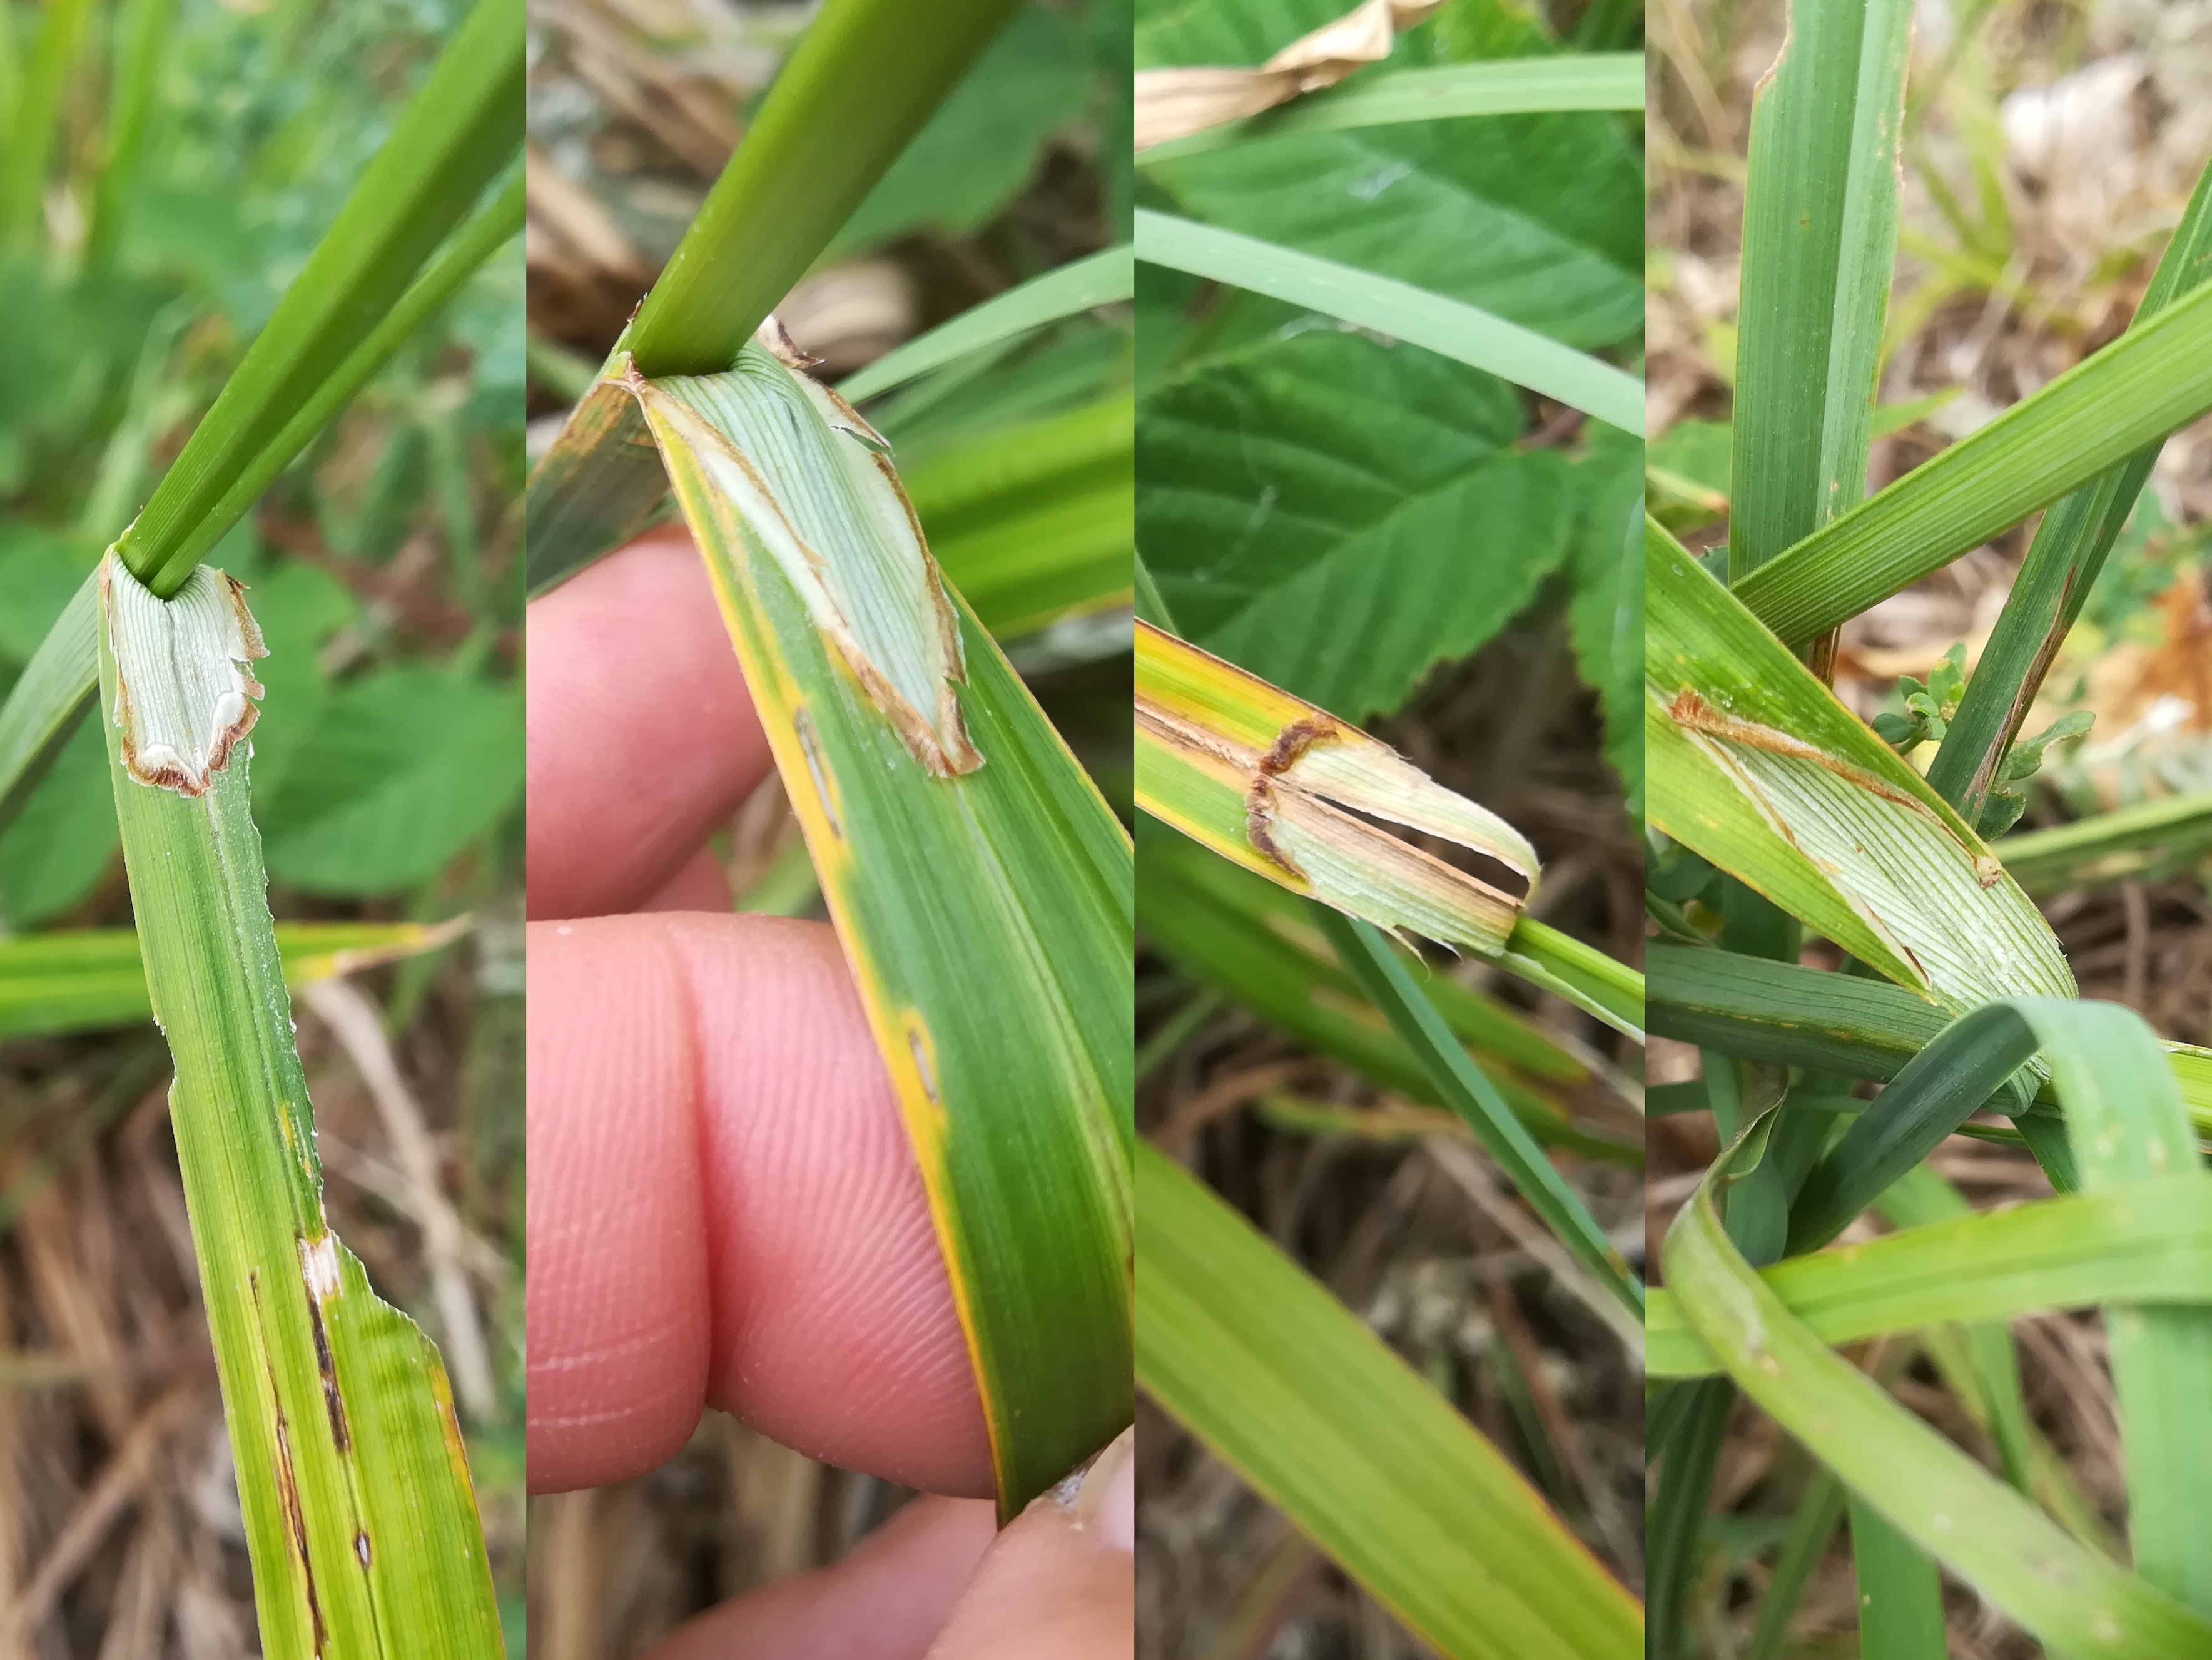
333,1402
361,1552
235,713
1693,713
287,1483
818,774
1291,744
944,748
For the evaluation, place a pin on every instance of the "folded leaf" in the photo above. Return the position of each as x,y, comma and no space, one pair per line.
1756,766
1286,789
980,886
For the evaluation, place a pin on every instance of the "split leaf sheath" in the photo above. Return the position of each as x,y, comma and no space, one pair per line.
352,1476
981,887
1279,786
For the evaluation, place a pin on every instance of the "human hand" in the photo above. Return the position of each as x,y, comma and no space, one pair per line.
723,1210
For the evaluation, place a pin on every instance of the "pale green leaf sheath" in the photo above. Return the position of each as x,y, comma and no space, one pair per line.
352,1476
981,888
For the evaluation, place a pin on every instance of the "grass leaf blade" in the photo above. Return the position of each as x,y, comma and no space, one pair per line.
1450,327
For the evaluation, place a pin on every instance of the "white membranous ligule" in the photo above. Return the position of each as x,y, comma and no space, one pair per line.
185,684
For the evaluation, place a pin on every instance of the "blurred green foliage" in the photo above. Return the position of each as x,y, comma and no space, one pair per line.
387,761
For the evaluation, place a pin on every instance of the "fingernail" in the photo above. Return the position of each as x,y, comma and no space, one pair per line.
1103,1499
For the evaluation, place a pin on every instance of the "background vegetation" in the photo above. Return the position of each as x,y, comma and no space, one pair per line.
2048,152
387,773
1425,549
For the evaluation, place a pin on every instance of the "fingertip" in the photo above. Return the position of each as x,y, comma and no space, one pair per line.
1061,1578
617,1303
723,1210
641,736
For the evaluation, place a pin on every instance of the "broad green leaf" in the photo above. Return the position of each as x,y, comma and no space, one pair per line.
90,979
1420,317
352,1477
1339,517
398,772
980,885
1758,768
1534,218
1282,1382
1605,618
2151,381
2073,1598
984,141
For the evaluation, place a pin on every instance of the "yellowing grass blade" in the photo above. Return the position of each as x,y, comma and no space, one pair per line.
1756,766
86,979
1278,785
981,887
352,1478
1286,1386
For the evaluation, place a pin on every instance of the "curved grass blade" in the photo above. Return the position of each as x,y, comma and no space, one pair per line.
1939,1088
2153,381
980,885
2071,1597
2149,1242
1255,943
1450,328
1521,86
1283,1383
1792,1016
1758,768
352,1477
1370,962
1082,285
90,979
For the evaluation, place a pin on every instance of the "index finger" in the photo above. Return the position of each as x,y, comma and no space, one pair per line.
642,737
